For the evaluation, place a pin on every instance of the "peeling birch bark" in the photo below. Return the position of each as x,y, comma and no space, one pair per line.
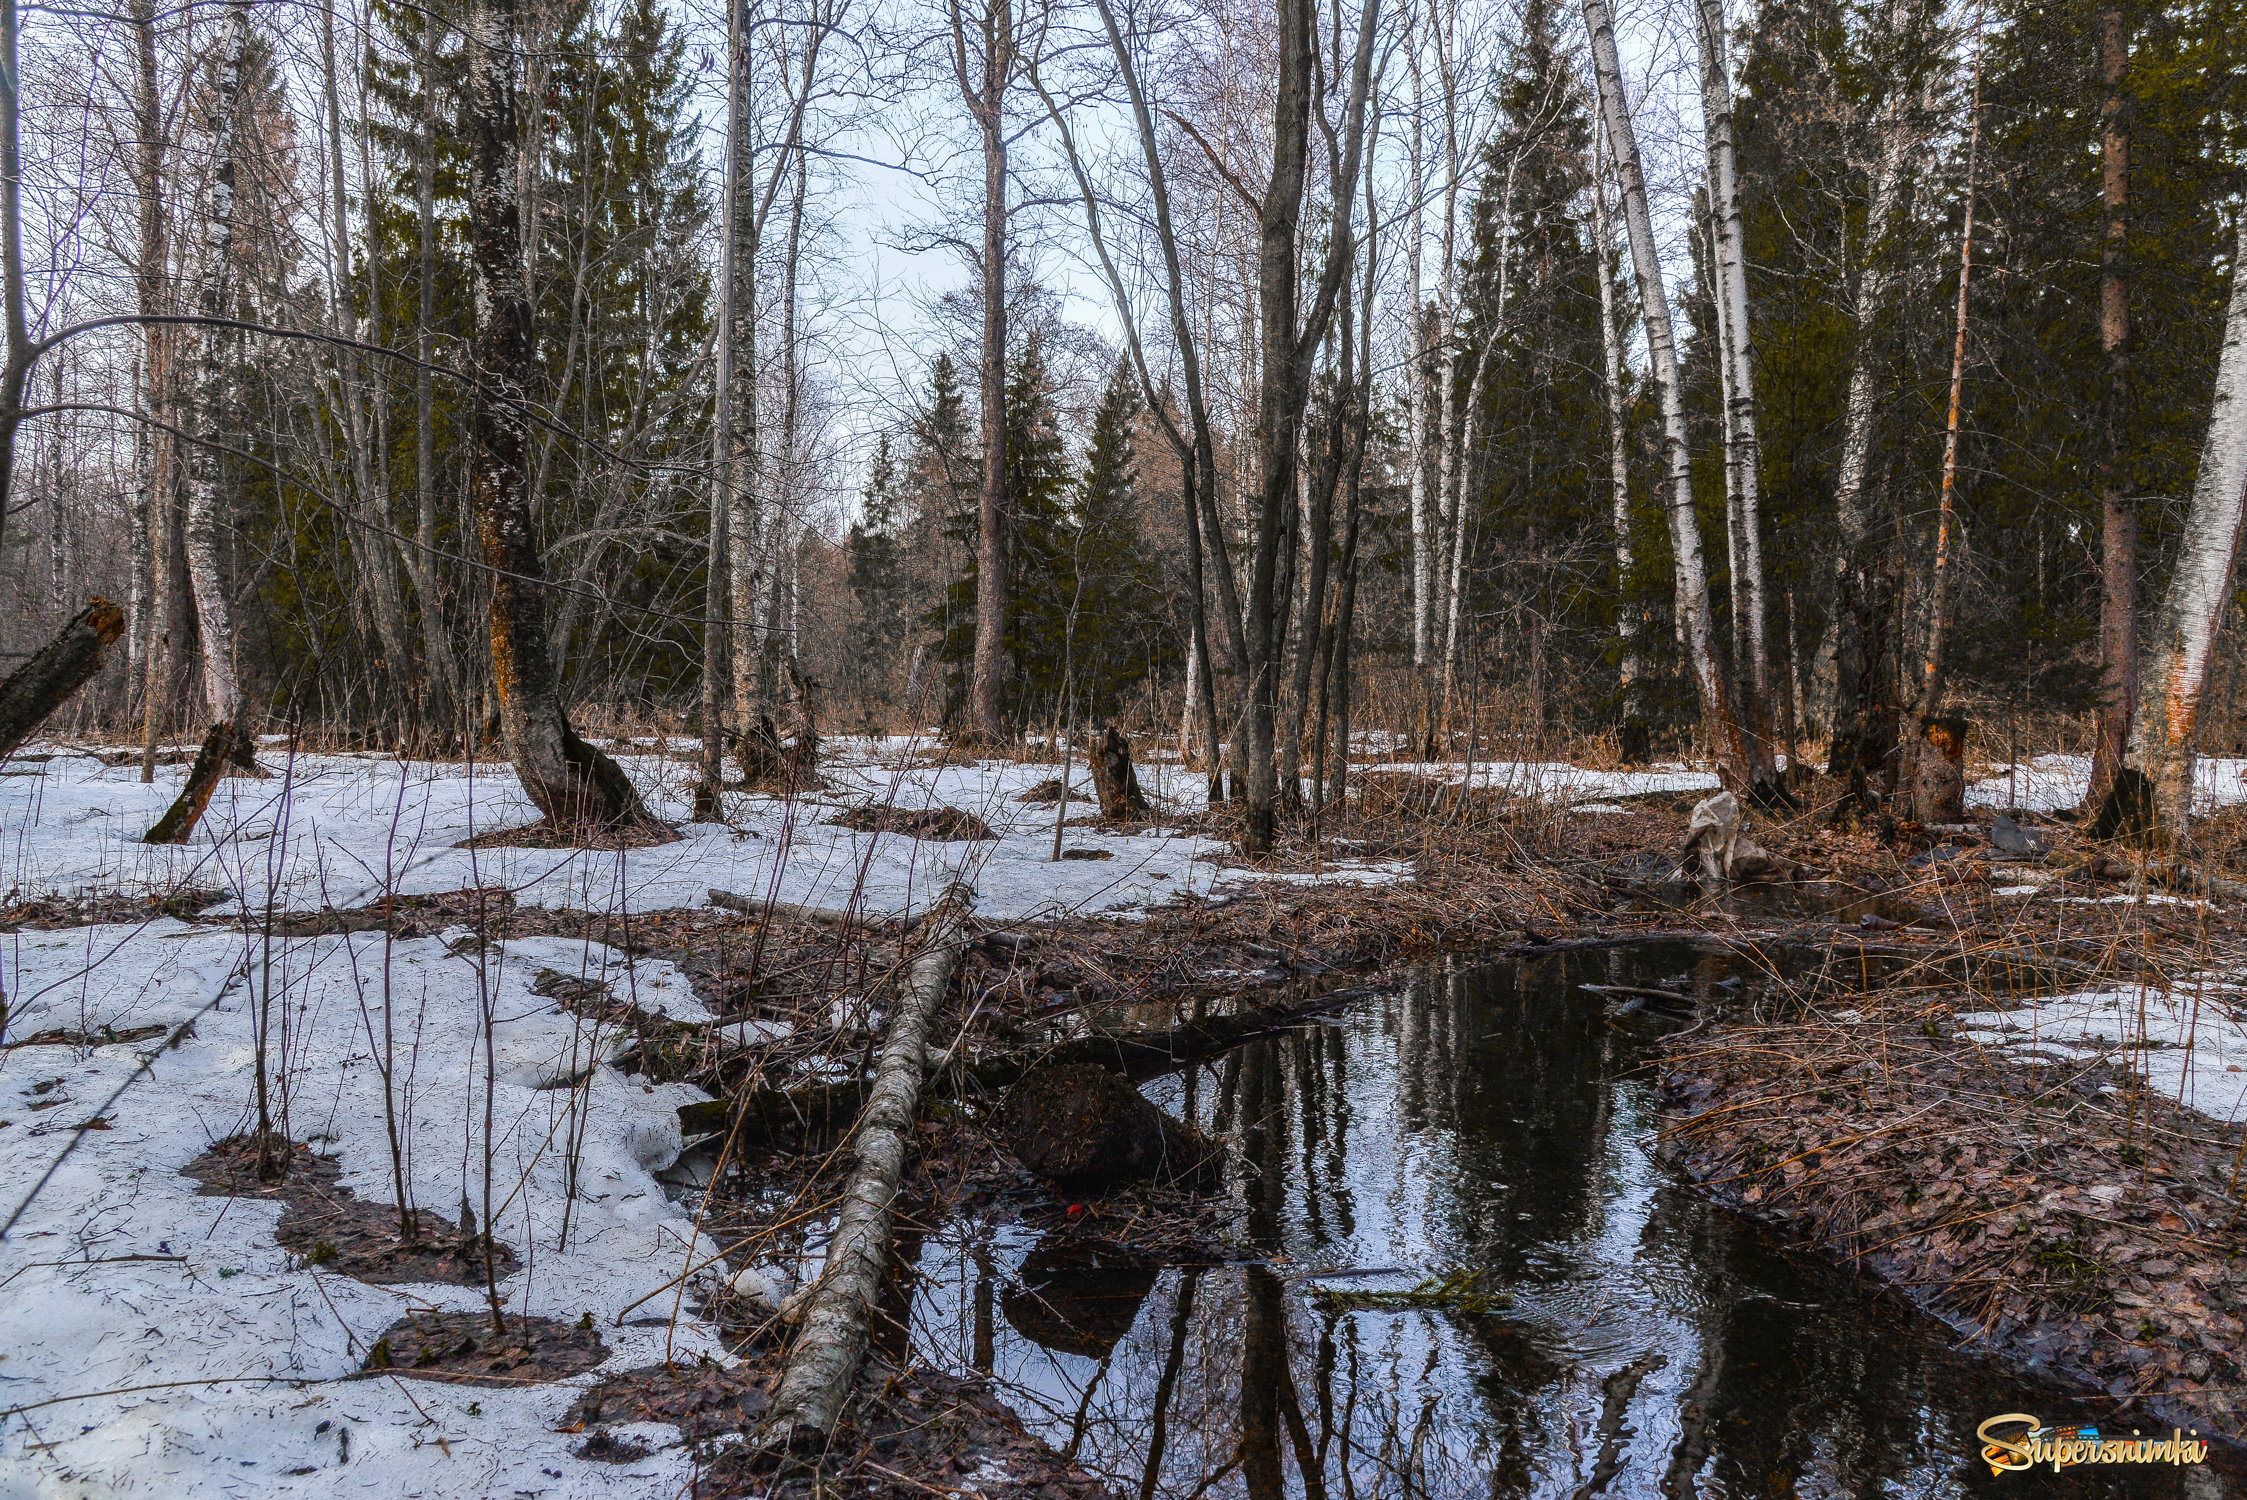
836,1309
2175,670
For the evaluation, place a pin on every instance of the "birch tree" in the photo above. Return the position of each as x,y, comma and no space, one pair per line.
1726,747
1742,456
2175,672
213,401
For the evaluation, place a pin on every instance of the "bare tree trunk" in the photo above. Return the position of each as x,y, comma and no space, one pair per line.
1833,677
373,548
1743,456
2184,637
744,469
18,366
1619,467
580,790
1287,345
986,101
440,669
2118,499
149,368
1938,592
1725,743
207,487
717,643
1416,390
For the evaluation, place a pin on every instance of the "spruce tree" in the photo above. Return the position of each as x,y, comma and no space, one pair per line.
1122,630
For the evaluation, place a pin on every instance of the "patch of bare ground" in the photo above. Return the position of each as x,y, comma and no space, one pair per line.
2061,1215
329,1226
463,1348
49,913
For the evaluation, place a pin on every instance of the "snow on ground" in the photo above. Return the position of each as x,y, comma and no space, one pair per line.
2049,782
119,1275
1556,780
340,830
2188,1043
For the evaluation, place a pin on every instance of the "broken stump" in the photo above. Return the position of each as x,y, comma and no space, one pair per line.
58,669
1939,777
1113,778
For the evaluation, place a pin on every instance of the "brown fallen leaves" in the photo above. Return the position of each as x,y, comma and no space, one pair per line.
2061,1215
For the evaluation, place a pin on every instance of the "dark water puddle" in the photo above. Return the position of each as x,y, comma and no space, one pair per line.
1624,1337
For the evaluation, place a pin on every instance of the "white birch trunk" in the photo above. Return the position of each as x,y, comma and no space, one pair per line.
1743,456
1423,561
1685,528
2184,638
206,489
1618,443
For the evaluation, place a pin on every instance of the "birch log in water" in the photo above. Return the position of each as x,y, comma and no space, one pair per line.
2175,671
1725,743
831,1339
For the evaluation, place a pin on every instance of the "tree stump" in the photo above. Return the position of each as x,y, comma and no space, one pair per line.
44,683
1113,778
1939,778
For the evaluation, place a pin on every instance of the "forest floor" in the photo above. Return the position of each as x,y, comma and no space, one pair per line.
515,1031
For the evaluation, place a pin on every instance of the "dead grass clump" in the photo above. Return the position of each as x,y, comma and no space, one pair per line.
47,913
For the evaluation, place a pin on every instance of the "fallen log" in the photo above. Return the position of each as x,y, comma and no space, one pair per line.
765,1116
789,911
831,1337
58,669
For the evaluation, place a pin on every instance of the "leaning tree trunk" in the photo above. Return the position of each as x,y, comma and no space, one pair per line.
1730,753
2118,499
2184,637
580,790
1938,590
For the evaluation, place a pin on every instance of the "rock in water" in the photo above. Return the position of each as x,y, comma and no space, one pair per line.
1086,1130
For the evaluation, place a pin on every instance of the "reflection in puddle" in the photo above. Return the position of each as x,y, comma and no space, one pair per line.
1501,1121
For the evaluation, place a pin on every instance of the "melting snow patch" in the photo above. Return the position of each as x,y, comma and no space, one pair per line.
2186,1047
121,1276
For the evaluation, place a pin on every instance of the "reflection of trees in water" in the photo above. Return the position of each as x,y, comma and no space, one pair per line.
1414,1137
